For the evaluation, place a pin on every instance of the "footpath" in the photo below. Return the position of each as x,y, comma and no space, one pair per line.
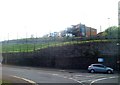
50,69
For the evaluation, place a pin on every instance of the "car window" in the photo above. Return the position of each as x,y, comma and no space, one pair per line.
99,66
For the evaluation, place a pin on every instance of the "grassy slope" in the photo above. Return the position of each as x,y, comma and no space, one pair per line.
31,47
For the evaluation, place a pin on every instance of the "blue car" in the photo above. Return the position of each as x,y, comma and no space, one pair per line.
99,68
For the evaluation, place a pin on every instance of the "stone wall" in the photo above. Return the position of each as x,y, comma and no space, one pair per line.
77,56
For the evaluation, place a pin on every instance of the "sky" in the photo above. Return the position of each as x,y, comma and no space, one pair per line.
23,18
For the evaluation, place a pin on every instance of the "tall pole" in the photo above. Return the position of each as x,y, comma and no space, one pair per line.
109,26
100,32
90,32
118,57
100,28
119,48
17,39
118,44
8,42
26,42
7,50
108,22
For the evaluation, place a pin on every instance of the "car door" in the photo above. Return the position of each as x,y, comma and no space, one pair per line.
99,68
102,68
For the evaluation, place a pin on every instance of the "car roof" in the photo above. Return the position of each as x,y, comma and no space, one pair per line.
97,64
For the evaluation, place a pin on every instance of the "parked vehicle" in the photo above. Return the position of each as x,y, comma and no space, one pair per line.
99,68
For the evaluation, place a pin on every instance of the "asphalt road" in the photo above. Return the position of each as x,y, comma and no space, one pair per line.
44,76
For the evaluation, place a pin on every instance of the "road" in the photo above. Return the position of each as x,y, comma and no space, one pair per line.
43,76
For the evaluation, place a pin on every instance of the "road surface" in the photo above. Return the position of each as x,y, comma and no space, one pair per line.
44,76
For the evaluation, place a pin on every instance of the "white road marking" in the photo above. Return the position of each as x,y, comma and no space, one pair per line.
114,77
78,75
16,70
97,80
102,79
76,80
29,81
68,78
86,80
100,76
81,82
62,70
90,76
55,74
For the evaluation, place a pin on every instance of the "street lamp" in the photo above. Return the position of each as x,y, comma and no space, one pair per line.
108,22
109,26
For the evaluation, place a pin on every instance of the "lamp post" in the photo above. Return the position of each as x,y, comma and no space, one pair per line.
108,22
109,26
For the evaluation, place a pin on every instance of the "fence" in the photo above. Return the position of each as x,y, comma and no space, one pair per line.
60,52
32,44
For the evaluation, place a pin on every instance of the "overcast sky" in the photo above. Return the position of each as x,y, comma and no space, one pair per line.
39,17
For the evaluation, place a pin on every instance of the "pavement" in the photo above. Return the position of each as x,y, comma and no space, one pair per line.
40,76
50,69
10,79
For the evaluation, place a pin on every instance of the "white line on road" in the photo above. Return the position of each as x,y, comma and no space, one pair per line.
62,70
86,80
58,75
76,80
79,75
68,78
54,74
102,79
79,81
29,81
90,76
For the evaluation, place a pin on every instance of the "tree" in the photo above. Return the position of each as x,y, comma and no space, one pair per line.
112,32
